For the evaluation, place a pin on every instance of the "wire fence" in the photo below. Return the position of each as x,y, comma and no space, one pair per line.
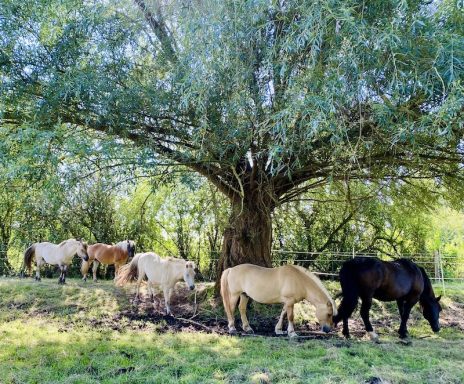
440,267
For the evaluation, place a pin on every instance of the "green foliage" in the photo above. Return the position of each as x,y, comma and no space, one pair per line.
306,90
266,100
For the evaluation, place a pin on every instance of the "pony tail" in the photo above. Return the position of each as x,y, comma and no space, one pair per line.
84,267
350,293
28,255
225,291
129,272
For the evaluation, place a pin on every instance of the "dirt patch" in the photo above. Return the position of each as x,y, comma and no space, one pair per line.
207,316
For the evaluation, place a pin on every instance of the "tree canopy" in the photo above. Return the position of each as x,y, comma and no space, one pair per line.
266,99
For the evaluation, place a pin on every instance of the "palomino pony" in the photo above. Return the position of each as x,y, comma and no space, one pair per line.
60,255
400,280
163,272
288,284
108,254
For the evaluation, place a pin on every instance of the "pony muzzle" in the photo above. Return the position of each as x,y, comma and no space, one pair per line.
192,287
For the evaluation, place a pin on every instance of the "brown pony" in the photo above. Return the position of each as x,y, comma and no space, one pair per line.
107,254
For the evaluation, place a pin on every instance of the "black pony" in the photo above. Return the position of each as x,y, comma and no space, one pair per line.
400,280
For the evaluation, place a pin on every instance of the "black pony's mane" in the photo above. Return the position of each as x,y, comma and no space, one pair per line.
427,293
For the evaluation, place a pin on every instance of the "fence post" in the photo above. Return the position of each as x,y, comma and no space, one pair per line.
442,275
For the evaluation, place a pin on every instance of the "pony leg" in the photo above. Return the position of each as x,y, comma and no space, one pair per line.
400,304
242,308
403,331
60,279
278,327
65,270
141,275
167,296
96,263
37,270
290,329
150,291
365,308
346,331
230,309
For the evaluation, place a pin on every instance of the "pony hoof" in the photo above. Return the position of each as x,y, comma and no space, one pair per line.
403,335
249,331
405,341
280,332
292,335
374,337
232,331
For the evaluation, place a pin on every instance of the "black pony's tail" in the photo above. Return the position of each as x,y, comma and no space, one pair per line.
350,293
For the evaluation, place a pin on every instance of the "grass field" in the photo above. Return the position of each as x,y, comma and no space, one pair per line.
85,333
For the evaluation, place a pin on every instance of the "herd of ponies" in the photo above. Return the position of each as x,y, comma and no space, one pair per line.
362,278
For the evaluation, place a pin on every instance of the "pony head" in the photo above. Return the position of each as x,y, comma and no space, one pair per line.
131,248
431,309
82,250
189,274
325,314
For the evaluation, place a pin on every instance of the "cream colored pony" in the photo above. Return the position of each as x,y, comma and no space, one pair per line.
163,272
288,284
61,255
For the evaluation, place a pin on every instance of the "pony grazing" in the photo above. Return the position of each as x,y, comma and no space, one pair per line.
399,280
163,272
108,254
288,284
60,255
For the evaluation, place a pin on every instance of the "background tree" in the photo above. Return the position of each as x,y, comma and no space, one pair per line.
266,100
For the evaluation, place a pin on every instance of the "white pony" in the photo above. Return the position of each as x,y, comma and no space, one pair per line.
61,255
163,272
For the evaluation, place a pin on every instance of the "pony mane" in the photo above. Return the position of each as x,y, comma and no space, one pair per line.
174,259
427,293
122,245
65,241
319,284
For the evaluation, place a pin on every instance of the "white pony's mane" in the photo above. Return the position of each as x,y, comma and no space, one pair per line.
65,241
318,282
174,259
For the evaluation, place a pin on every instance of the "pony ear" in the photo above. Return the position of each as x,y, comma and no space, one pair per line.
438,298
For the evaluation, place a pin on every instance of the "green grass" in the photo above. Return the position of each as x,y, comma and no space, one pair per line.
48,335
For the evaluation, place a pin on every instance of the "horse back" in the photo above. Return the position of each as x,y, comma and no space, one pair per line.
106,254
383,280
265,285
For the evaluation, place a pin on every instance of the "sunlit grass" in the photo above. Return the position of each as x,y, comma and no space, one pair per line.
46,337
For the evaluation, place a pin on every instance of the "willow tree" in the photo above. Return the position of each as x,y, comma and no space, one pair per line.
265,99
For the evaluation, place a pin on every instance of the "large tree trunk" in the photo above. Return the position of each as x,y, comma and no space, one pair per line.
248,237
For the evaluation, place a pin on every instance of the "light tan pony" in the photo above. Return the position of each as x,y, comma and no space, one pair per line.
162,272
117,254
288,284
61,255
